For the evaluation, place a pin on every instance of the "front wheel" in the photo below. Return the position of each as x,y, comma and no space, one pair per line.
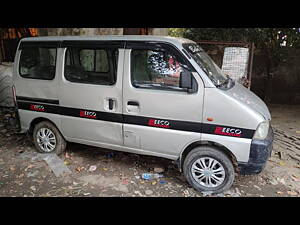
47,138
207,169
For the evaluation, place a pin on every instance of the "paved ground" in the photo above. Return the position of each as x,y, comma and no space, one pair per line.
101,172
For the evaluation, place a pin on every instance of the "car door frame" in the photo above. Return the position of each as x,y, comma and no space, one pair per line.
103,116
140,120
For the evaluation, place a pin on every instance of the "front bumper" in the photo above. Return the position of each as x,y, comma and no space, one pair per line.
260,151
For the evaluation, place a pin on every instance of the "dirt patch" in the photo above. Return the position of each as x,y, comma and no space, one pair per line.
102,172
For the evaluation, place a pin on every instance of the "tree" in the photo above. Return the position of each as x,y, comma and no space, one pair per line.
176,32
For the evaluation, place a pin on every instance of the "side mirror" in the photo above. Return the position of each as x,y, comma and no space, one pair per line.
185,80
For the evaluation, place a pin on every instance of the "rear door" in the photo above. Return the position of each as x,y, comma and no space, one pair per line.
159,117
36,80
91,92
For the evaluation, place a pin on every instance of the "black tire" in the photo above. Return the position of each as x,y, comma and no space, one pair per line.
212,152
61,144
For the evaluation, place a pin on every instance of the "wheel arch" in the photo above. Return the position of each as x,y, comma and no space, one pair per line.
37,120
193,145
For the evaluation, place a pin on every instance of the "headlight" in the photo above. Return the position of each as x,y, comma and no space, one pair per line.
262,130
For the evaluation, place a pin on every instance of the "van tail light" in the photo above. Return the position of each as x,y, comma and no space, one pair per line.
14,94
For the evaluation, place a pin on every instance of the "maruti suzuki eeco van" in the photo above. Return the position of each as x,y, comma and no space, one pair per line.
159,96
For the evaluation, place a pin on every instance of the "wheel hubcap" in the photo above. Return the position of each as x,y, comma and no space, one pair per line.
46,139
208,172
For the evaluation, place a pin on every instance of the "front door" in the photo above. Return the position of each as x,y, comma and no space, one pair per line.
91,92
160,118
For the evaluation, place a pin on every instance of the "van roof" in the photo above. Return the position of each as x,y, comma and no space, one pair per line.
174,40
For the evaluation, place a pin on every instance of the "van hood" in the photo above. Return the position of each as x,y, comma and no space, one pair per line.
247,97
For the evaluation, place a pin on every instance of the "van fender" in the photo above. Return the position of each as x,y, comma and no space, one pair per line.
191,146
41,119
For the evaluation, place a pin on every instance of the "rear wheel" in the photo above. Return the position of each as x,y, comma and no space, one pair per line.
48,139
207,169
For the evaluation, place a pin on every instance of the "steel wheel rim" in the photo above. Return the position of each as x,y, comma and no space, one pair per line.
46,140
208,172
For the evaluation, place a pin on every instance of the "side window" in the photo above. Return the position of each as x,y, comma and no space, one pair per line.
156,69
92,66
87,59
101,56
37,63
94,60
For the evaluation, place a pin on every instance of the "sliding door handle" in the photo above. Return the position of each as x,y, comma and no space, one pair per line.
134,103
133,107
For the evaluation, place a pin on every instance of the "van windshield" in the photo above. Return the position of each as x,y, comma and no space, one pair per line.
214,73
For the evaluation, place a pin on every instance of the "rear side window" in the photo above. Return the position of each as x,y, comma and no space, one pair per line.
37,63
91,66
94,60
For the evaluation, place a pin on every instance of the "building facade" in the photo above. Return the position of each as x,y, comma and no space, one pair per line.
10,37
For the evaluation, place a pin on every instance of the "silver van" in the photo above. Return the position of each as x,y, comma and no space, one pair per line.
159,96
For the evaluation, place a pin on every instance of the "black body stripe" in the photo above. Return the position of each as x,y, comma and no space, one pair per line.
210,129
173,124
136,120
40,100
66,111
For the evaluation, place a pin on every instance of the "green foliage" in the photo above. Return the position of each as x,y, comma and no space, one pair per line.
269,40
176,32
215,34
272,42
262,37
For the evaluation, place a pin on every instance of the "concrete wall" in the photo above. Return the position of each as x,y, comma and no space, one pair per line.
79,31
160,31
286,79
93,31
285,85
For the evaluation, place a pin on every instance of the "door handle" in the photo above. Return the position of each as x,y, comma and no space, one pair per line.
133,107
110,104
134,103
